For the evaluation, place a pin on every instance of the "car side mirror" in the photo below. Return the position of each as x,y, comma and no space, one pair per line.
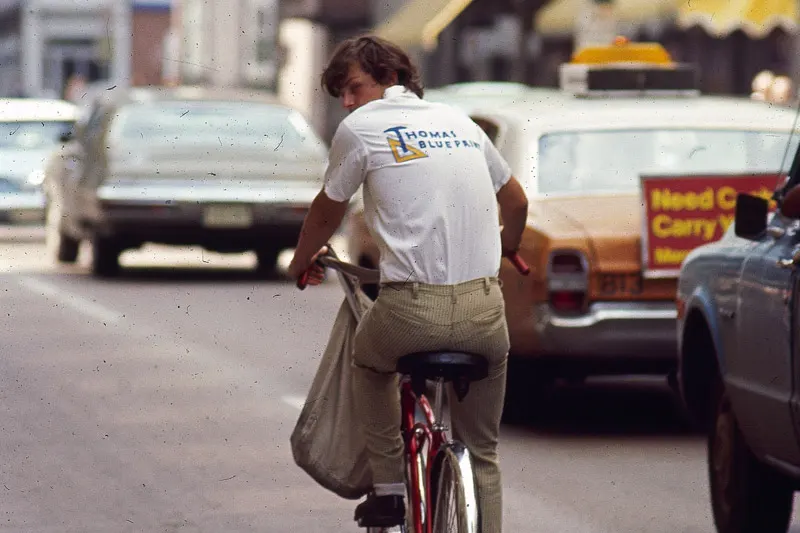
750,220
66,136
790,207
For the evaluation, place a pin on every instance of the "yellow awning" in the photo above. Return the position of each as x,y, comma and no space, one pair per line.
561,16
756,18
419,22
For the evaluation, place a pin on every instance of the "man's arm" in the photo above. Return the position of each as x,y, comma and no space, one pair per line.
514,211
321,222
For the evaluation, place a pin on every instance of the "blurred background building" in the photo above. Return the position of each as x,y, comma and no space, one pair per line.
60,47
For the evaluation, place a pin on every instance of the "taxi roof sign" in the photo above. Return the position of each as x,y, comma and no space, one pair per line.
627,69
624,52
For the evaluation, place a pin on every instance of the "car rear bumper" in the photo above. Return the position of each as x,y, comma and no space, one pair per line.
218,225
635,333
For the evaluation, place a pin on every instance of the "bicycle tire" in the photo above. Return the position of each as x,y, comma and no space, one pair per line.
454,495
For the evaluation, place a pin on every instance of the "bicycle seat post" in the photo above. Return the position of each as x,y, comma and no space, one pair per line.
437,409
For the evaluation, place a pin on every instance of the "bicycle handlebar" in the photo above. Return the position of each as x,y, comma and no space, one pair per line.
519,263
331,260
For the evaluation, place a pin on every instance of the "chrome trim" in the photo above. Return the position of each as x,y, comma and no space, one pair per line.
607,312
438,396
457,454
165,191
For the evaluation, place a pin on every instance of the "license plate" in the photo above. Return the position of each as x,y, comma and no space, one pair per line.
227,216
619,284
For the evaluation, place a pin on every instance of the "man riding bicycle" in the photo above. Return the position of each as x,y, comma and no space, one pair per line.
432,184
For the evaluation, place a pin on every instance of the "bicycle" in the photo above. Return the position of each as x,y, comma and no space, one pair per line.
439,477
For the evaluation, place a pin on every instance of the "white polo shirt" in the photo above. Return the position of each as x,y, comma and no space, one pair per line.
430,175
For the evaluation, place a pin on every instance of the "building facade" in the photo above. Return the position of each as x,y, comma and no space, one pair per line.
49,48
224,43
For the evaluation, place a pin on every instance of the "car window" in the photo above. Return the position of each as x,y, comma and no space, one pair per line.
608,161
34,135
272,127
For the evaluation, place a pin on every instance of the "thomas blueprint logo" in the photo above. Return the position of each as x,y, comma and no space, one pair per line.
410,145
402,150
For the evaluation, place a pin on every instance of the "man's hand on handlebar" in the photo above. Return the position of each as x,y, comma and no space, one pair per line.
516,260
312,274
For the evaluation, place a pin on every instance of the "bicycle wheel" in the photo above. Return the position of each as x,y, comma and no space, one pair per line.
453,491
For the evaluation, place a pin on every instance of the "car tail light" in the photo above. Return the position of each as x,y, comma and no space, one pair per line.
568,281
567,301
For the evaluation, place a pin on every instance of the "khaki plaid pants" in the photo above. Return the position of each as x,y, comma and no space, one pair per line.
416,317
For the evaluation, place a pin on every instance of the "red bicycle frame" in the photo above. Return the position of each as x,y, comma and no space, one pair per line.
416,435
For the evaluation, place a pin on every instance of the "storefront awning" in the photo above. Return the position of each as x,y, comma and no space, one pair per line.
559,17
419,22
756,18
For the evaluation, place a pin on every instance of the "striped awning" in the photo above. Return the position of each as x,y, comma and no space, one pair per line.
419,22
559,17
757,18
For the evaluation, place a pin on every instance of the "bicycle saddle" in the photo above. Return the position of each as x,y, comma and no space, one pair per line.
457,367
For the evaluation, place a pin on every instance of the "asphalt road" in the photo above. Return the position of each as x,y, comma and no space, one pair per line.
163,401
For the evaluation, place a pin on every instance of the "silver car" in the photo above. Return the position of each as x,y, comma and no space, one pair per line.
231,171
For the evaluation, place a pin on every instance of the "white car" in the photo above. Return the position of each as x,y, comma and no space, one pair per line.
30,131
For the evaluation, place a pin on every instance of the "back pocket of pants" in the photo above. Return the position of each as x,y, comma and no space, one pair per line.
490,319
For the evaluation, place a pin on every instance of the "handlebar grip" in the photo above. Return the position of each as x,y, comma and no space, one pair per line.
302,281
519,263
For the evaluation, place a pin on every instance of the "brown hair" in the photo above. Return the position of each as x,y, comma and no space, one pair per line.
377,57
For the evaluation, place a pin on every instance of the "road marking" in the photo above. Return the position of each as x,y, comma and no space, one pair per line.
82,305
294,401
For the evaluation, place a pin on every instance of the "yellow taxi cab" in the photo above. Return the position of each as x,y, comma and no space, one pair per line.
627,168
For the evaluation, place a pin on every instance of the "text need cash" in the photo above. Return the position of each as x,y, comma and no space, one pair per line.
718,203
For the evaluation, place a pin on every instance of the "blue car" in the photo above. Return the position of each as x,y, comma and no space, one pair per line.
738,303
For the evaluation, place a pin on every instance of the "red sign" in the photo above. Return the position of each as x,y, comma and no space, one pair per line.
684,212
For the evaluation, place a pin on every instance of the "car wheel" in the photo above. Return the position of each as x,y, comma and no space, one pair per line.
526,390
267,261
59,245
105,257
747,496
